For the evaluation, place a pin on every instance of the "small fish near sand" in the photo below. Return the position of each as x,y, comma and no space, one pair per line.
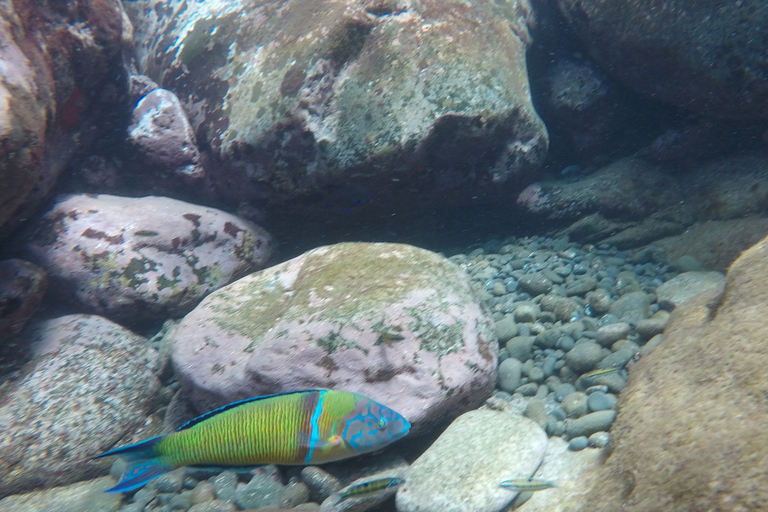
371,488
528,484
312,426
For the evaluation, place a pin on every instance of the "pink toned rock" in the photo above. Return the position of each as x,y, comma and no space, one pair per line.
143,258
90,383
396,323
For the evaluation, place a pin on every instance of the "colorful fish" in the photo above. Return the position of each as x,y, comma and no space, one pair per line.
371,488
301,427
528,484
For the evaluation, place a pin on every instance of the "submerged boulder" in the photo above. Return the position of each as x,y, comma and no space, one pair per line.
397,99
690,434
703,55
89,383
396,323
146,258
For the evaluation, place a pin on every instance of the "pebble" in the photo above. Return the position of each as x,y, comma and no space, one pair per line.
562,307
599,301
321,484
170,482
599,401
225,485
599,439
609,334
535,284
506,329
509,374
521,347
547,338
537,411
589,424
632,307
580,286
578,443
214,506
563,390
565,343
203,492
575,404
650,327
526,312
584,356
528,389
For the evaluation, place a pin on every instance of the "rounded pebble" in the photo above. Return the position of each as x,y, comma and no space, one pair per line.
509,374
589,424
214,506
170,482
225,485
506,328
526,312
565,343
520,347
599,439
537,411
528,389
607,335
578,443
535,284
584,356
599,401
203,492
575,404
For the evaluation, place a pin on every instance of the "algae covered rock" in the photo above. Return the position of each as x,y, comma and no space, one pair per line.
396,323
293,98
144,258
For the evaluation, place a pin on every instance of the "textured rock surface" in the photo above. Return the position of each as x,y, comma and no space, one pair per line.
161,132
144,258
691,430
391,98
393,322
681,52
90,382
60,85
687,285
22,286
86,496
462,470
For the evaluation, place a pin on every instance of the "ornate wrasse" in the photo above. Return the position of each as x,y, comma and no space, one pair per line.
302,427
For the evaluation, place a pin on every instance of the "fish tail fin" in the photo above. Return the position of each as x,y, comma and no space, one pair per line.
143,464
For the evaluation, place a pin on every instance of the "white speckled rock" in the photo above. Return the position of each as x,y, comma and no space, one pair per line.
90,383
462,470
687,285
393,322
86,496
149,257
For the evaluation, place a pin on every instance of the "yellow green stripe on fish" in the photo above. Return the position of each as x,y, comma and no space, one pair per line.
312,426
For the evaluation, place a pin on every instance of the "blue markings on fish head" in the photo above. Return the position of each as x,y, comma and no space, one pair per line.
372,426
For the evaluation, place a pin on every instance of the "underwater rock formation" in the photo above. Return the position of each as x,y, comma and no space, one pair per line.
704,55
691,431
139,259
393,322
402,99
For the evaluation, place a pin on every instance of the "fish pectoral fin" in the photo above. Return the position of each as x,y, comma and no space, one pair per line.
138,473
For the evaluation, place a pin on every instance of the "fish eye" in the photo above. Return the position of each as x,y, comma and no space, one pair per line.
382,423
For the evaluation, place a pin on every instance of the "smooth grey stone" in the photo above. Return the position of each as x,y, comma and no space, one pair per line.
632,307
556,428
584,356
262,491
547,317
553,276
563,307
163,498
599,300
578,443
596,389
536,374
599,439
547,338
535,284
565,343
321,483
511,285
650,327
509,375
526,311
170,482
548,366
506,328
144,495
537,411
580,286
575,404
607,335
687,285
214,506
521,347
132,507
599,401
617,359
225,485
528,389
589,424
558,413
498,289
181,501
190,483
564,390
542,393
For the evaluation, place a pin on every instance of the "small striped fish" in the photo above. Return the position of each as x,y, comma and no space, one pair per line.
302,427
371,488
528,484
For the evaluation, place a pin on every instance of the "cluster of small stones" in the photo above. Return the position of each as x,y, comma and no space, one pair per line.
562,312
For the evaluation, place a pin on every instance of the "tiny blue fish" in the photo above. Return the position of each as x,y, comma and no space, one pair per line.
528,484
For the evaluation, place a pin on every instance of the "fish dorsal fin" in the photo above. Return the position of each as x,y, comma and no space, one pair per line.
210,414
